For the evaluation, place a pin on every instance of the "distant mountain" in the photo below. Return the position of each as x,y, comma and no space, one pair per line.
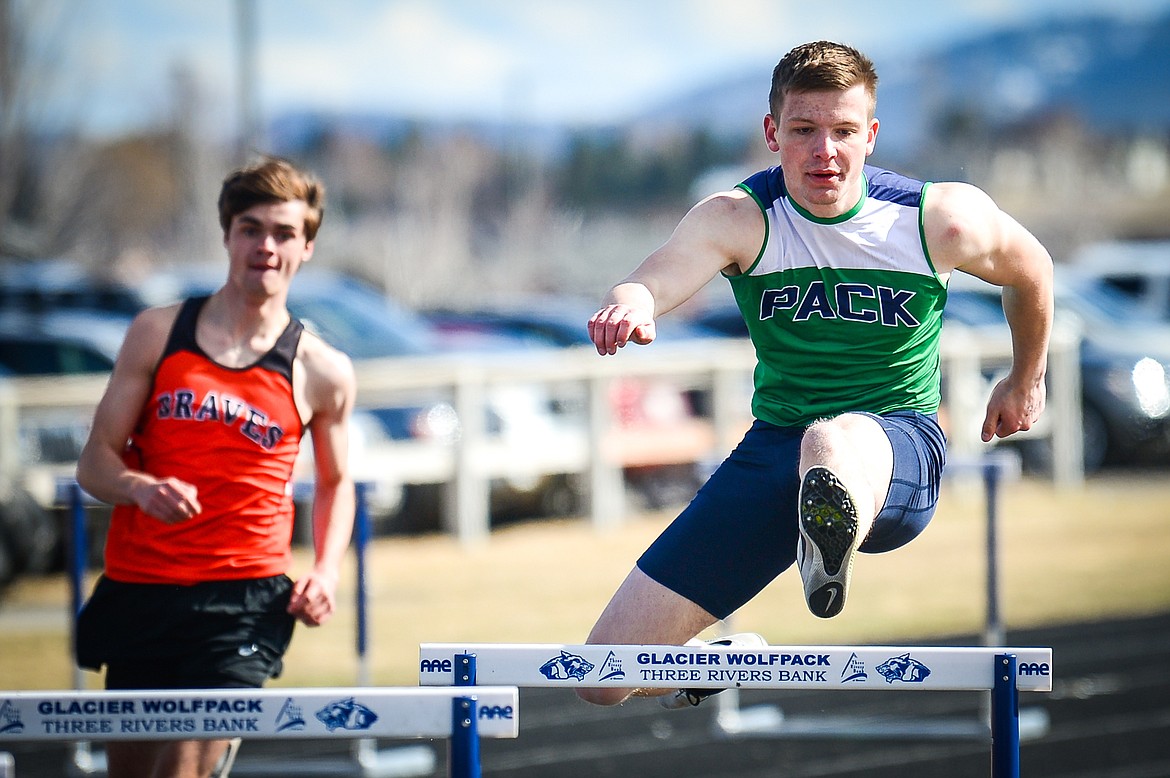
1113,72
1109,71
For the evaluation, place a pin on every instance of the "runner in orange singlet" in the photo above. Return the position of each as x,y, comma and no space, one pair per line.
194,442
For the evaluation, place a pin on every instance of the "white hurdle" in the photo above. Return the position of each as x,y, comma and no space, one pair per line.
1002,671
461,716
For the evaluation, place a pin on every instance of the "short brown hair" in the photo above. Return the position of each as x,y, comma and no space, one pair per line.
272,180
821,65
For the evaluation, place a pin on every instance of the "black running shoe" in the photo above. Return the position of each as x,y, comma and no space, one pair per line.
828,541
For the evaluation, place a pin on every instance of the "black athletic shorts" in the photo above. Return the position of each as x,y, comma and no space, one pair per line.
217,634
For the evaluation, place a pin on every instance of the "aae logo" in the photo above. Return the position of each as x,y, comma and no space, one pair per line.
496,712
435,666
1035,668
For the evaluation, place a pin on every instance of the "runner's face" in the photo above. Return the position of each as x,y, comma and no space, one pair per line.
266,245
823,139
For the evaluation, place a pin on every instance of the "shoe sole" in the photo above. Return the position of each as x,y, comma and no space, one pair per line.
828,530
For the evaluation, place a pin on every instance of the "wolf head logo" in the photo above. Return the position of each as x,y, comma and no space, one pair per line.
566,666
903,668
346,714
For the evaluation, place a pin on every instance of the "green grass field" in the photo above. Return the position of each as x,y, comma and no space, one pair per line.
1066,556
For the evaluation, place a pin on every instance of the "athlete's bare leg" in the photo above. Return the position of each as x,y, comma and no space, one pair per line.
164,759
643,611
845,468
856,449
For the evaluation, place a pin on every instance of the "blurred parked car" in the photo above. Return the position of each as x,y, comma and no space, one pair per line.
29,537
1139,270
48,344
1125,368
56,285
649,409
66,342
55,344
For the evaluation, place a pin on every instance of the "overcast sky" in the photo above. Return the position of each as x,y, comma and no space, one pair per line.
110,64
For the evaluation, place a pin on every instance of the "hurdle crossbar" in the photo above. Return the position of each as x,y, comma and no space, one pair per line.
462,716
1002,671
722,667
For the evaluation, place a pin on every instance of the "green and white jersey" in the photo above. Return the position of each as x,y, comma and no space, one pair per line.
845,313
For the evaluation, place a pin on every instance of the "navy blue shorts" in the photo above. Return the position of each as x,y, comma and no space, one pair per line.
740,530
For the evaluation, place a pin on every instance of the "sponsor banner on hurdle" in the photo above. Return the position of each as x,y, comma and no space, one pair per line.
770,667
259,713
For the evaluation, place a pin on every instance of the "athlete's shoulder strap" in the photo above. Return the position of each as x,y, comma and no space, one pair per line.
280,357
182,337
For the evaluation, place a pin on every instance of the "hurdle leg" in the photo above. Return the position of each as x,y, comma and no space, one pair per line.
399,761
464,747
83,757
1005,719
365,751
465,670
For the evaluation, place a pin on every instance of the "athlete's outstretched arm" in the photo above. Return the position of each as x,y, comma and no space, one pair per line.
967,231
723,232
